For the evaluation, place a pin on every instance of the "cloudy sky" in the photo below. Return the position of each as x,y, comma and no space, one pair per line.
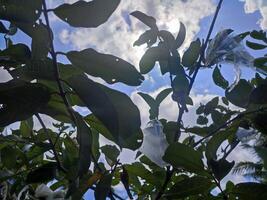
118,34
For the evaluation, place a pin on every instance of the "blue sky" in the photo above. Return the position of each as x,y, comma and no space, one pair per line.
119,33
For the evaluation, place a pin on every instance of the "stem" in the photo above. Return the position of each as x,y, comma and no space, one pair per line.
219,186
51,143
192,80
54,59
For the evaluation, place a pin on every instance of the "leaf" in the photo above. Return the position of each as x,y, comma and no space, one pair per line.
149,100
45,173
215,142
147,20
149,37
188,187
259,35
108,67
9,157
21,100
218,79
221,168
113,108
26,127
103,187
255,46
180,37
249,190
211,105
168,38
162,95
191,54
40,42
260,62
150,57
111,152
259,95
182,156
84,137
26,11
86,14
239,95
202,120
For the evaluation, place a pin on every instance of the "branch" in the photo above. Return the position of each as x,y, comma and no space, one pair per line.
239,116
181,110
51,143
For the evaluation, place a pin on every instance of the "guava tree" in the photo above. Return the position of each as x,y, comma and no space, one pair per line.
65,156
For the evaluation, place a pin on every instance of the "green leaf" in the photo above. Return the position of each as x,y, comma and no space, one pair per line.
255,46
215,142
259,35
9,157
149,100
103,187
189,187
147,20
139,170
191,54
180,83
40,42
84,138
26,11
111,152
211,105
180,37
26,127
45,173
162,95
124,176
218,79
260,62
149,37
113,108
249,190
21,100
259,95
150,57
168,38
202,120
170,129
86,14
239,95
182,156
221,168
108,67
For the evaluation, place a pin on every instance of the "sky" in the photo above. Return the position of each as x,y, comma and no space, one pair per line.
119,33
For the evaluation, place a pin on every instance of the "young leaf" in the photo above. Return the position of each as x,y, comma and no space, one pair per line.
149,100
163,94
256,46
147,20
103,187
181,155
218,79
180,37
113,108
188,187
108,67
86,14
191,54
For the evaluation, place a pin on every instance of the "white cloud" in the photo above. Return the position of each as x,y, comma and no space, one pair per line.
252,6
119,33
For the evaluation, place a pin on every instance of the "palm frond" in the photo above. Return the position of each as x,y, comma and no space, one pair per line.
247,167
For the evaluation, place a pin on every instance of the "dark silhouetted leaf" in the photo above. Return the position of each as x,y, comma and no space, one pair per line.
180,37
84,138
168,38
21,100
111,152
108,67
113,108
42,174
191,54
218,79
182,156
147,20
86,14
188,187
259,95
256,46
249,190
3,29
202,120
239,95
163,94
149,37
221,168
103,187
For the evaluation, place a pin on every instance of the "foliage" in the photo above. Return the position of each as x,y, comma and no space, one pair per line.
68,155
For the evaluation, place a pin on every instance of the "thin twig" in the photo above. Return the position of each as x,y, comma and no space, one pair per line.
51,143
